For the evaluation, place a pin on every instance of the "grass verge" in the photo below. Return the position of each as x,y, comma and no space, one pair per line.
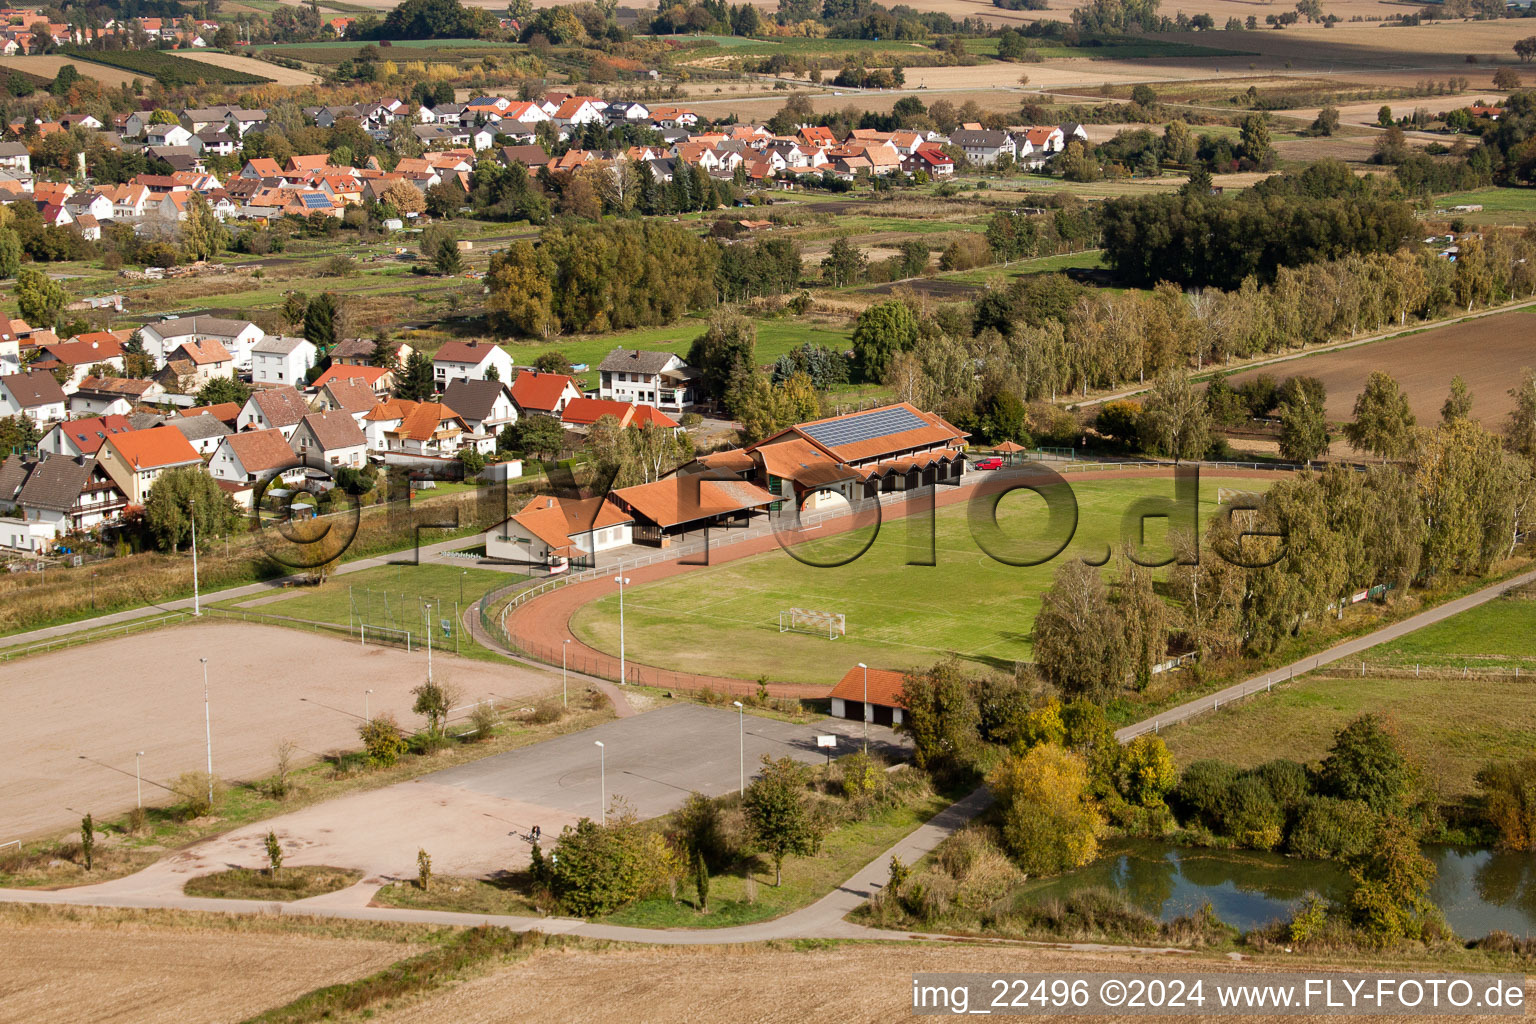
288,884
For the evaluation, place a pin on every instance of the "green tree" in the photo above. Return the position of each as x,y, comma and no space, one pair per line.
223,389
1174,421
881,331
778,813
1383,423
1147,771
10,253
1049,824
320,318
701,879
540,436
940,714
203,235
725,354
1390,899
274,854
552,362
844,263
176,493
1458,404
39,298
1079,640
1256,141
446,258
1326,122
1366,762
1303,429
416,382
433,702
1522,419
18,434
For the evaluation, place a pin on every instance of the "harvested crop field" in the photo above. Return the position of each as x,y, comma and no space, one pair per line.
279,75
851,984
91,707
48,65
1488,353
145,972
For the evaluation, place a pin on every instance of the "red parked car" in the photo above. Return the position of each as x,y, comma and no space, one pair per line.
991,463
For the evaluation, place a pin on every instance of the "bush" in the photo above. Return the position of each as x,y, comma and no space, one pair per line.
382,740
545,712
1509,802
1202,790
1331,829
1048,827
1287,782
600,868
191,789
482,721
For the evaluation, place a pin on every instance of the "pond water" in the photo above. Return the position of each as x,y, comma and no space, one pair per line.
1479,891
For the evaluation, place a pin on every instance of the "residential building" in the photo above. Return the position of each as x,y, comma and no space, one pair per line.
279,360
430,429
102,396
84,436
237,336
332,439
486,407
194,363
279,407
555,533
475,360
34,394
42,500
544,393
203,432
255,457
661,379
137,459
983,147
354,397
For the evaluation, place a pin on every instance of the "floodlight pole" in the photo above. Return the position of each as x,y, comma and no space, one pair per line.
621,580
565,699
602,779
864,713
429,641
192,513
138,777
208,731
741,733
366,716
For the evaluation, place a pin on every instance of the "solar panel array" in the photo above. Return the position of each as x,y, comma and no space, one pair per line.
864,426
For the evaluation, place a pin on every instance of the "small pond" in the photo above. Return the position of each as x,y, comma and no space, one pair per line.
1478,890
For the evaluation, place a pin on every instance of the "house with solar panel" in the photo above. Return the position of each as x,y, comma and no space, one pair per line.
843,458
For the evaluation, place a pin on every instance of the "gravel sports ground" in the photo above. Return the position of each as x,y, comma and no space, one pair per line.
79,714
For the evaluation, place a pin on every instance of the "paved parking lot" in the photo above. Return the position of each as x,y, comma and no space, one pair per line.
656,759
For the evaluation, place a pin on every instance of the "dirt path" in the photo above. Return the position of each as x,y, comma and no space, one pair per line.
544,622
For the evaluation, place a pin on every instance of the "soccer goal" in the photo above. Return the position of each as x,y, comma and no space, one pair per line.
802,620
384,635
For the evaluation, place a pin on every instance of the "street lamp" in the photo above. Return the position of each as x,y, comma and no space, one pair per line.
192,512
565,700
602,779
621,581
429,641
461,585
138,777
865,713
741,736
366,716
208,731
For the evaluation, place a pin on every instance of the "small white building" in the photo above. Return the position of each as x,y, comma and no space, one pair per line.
473,360
280,360
255,457
553,532
35,395
332,438
281,408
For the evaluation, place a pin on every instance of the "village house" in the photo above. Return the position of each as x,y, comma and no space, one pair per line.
983,147
486,406
543,393
353,397
236,336
103,396
43,500
430,429
34,394
203,432
255,457
280,407
84,436
192,364
331,440
558,533
475,360
137,459
661,379
279,360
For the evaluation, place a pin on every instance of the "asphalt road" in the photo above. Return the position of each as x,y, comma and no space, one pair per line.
653,761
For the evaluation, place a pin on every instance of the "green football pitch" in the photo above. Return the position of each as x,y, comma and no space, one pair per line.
724,620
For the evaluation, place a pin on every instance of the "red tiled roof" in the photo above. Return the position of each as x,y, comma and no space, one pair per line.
155,447
553,520
884,687
228,412
587,411
541,391
341,372
676,500
90,433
